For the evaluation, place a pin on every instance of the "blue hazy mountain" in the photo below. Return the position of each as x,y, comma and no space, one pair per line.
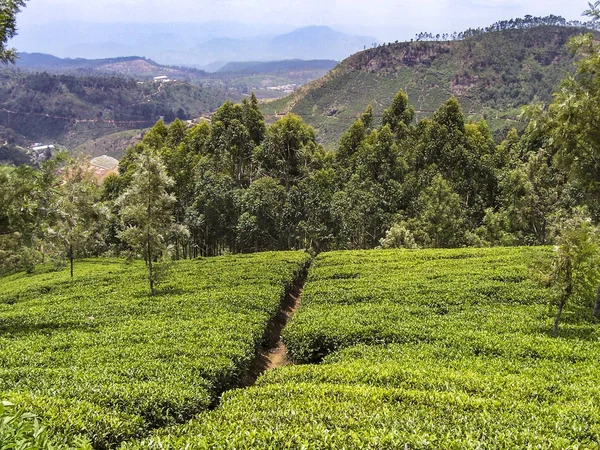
187,43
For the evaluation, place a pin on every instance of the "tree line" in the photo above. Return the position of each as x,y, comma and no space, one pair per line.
520,23
237,185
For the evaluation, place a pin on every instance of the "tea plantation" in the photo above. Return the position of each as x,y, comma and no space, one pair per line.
418,350
98,357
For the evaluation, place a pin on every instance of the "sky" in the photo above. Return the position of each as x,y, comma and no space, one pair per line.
386,20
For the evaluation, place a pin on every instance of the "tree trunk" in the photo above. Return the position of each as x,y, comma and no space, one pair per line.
150,274
71,258
597,305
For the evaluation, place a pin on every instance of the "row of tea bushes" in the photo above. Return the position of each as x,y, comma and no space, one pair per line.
397,396
431,349
390,296
97,356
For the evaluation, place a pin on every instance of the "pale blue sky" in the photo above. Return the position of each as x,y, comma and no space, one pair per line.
384,19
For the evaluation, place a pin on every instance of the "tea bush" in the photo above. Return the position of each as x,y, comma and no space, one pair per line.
96,356
432,349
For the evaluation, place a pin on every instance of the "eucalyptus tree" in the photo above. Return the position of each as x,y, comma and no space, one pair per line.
146,209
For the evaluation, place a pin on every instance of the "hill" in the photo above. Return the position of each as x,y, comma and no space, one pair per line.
491,74
130,66
70,110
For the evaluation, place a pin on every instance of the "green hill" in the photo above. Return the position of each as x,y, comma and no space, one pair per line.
70,110
492,74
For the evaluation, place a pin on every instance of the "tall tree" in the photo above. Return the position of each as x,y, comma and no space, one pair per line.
76,208
146,208
281,152
576,266
440,215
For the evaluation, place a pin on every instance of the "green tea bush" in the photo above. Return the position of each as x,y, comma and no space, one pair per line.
432,349
378,297
22,431
97,356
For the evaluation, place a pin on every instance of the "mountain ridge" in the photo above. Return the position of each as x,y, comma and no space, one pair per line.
491,74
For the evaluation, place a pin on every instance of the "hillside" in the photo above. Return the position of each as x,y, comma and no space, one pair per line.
130,66
70,110
491,75
271,79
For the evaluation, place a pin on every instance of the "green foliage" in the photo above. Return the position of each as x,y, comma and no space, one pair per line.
406,296
399,236
22,431
145,210
576,266
96,357
8,28
431,349
440,221
487,82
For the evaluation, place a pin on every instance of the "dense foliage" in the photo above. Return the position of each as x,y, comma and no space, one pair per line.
239,185
73,109
96,357
431,349
492,74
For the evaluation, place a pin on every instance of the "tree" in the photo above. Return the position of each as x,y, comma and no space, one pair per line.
8,29
571,126
440,215
399,236
399,115
78,215
259,225
576,266
145,209
281,151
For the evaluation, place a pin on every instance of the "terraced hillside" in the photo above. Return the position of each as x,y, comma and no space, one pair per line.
432,349
97,357
492,75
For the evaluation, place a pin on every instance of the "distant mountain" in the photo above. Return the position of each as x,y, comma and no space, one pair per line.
304,43
130,66
188,44
492,75
255,67
163,42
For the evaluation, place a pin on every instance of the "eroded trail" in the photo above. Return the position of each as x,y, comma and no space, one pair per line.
273,352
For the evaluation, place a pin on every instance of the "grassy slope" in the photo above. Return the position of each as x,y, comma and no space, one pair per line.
431,349
97,356
491,75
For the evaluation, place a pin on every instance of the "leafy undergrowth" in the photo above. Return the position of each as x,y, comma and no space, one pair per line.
98,357
431,349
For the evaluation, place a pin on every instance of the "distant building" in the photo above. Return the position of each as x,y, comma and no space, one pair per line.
37,147
161,79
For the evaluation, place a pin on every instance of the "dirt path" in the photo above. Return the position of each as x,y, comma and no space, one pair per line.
273,353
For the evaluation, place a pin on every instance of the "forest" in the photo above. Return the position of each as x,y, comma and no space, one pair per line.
236,185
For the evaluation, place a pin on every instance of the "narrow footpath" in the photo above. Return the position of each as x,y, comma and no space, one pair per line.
273,352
